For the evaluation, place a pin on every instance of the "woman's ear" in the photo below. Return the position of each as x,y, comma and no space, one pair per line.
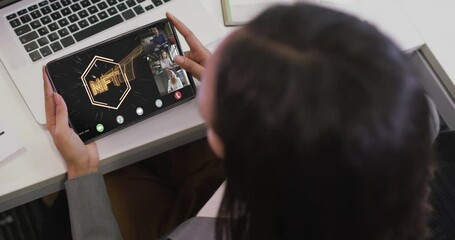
215,143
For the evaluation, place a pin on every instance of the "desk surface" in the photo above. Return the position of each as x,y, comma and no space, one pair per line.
432,20
38,169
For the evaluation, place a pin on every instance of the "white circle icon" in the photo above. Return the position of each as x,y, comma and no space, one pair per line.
158,103
139,111
120,119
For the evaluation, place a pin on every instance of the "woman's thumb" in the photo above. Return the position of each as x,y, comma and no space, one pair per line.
61,113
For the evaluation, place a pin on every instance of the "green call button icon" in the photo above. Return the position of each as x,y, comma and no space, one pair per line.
99,127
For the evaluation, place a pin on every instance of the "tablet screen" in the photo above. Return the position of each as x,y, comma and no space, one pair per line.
122,81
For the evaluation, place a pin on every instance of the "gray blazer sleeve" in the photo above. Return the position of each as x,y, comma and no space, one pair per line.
195,228
90,209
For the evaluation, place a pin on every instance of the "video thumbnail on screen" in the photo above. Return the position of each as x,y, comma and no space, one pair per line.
160,48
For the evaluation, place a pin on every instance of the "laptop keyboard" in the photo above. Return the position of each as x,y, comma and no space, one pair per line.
49,26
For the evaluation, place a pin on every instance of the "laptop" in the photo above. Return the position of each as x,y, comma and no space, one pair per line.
34,32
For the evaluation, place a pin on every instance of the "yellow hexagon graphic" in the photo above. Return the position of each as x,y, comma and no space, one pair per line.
100,84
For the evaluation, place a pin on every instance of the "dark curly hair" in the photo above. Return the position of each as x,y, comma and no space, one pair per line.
326,131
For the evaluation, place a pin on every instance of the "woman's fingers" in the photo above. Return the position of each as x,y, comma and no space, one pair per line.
189,65
190,38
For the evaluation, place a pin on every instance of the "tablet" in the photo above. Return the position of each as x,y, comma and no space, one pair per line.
121,81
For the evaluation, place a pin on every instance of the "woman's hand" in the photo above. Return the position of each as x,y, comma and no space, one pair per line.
80,159
195,59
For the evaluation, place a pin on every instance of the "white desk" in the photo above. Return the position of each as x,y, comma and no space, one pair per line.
38,169
432,20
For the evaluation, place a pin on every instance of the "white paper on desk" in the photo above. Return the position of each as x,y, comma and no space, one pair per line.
244,10
9,142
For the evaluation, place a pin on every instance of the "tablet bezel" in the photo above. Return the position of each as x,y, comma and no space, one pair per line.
140,118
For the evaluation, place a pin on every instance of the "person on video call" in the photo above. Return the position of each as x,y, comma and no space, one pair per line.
174,82
159,40
340,150
166,62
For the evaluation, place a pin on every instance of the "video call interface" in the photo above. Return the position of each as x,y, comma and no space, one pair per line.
121,81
